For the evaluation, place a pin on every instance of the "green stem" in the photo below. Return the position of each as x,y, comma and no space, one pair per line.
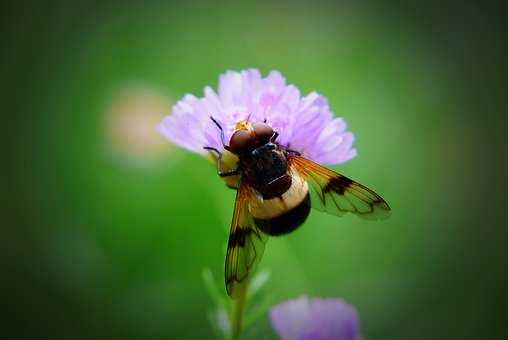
238,308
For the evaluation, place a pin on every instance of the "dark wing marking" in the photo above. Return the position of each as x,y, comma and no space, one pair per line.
336,194
246,243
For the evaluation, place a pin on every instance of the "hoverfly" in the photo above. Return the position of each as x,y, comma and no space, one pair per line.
276,188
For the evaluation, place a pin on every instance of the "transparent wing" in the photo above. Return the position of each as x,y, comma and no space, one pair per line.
246,243
336,194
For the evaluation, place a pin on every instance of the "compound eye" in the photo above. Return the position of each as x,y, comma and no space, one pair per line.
240,142
263,131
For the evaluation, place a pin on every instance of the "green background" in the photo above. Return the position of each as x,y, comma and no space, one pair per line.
109,227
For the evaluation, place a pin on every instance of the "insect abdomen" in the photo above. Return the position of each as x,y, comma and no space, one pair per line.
280,215
288,221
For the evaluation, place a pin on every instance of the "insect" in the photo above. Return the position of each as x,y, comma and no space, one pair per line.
276,188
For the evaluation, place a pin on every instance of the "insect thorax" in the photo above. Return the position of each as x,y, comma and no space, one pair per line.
265,169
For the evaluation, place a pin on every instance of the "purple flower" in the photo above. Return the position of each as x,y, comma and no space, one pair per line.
304,124
316,319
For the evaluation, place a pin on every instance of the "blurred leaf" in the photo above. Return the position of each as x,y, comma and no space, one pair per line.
220,323
258,282
219,299
258,310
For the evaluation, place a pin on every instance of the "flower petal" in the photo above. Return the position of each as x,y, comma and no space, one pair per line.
289,318
304,124
315,319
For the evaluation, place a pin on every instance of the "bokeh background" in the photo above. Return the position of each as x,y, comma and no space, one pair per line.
108,227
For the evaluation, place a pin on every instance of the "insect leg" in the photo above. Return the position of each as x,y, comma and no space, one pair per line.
221,133
219,162
209,148
233,172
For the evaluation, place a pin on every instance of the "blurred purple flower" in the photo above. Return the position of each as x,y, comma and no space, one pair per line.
304,124
315,319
